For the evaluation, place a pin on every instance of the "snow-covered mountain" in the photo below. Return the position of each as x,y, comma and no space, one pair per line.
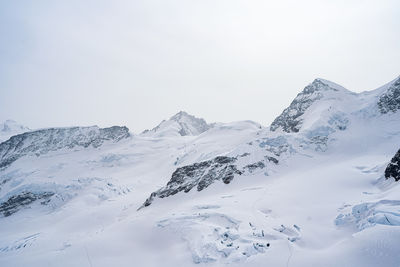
182,124
319,187
40,142
10,128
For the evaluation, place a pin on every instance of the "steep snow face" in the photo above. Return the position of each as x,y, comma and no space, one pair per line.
182,124
10,128
291,119
42,141
389,101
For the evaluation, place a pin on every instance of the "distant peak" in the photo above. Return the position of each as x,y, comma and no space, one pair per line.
182,124
326,84
12,127
180,115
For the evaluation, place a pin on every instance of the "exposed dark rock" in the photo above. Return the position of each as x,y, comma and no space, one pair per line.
254,166
390,100
199,175
272,159
15,203
393,169
290,120
43,141
203,174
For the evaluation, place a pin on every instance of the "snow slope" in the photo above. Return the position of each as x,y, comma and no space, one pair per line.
308,191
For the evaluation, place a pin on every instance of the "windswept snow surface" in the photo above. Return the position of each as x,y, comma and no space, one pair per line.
312,197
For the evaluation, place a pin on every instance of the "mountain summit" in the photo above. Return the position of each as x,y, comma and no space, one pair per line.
182,124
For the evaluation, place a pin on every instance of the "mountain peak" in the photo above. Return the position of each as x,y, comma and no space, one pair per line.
320,84
291,119
180,115
181,123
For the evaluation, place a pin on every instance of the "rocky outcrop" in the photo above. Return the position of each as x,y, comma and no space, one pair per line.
15,203
290,120
199,175
390,100
203,174
393,169
43,141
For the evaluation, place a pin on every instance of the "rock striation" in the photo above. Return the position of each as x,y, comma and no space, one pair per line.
43,141
390,100
290,120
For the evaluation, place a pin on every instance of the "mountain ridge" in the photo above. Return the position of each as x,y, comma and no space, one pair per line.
322,193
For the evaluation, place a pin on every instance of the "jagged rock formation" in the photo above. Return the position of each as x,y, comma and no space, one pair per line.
200,174
203,174
15,203
393,169
42,141
290,120
181,123
390,100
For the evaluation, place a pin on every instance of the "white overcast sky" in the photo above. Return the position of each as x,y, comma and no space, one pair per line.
134,63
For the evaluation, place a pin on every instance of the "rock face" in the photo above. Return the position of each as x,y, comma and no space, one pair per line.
15,203
390,100
290,120
43,141
203,174
393,169
199,175
181,123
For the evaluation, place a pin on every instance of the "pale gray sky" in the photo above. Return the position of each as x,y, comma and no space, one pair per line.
135,63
